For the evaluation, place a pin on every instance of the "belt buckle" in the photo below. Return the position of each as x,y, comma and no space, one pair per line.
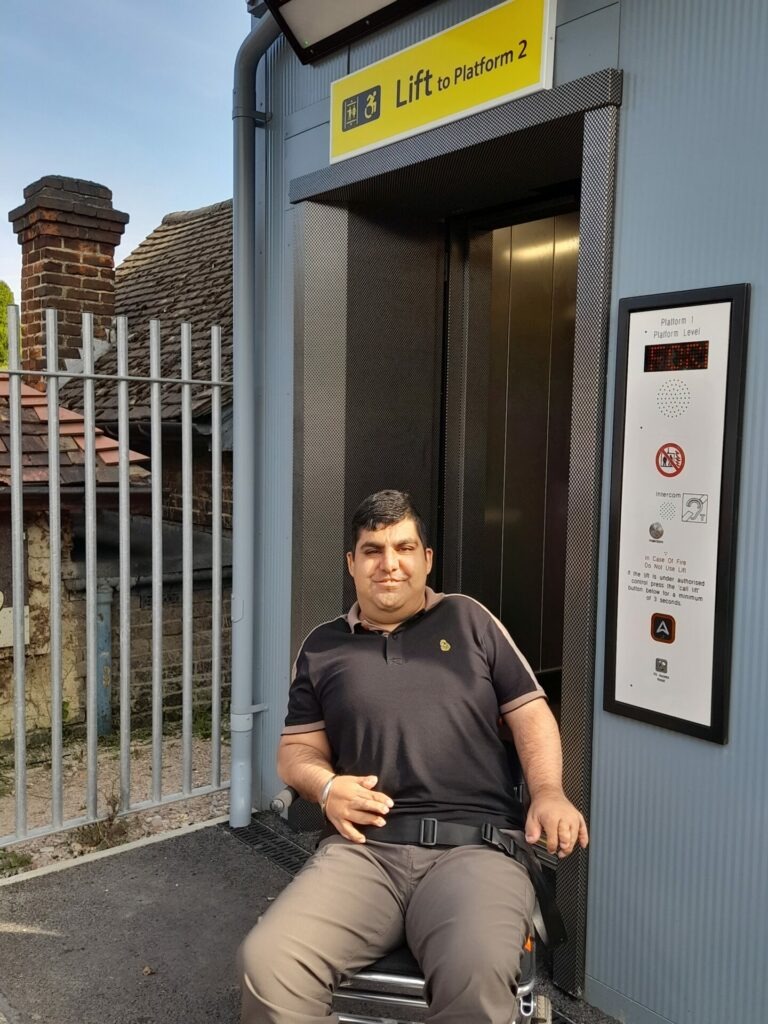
486,833
428,832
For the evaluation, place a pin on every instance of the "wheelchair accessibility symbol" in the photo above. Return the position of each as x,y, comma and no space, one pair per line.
670,459
361,109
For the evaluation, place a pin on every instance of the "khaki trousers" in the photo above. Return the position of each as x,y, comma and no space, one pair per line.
464,911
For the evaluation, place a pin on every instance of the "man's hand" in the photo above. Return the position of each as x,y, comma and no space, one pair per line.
552,813
353,801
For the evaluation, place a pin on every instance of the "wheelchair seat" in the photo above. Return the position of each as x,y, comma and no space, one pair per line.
399,963
396,981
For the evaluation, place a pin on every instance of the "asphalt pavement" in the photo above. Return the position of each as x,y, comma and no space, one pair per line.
147,934
144,936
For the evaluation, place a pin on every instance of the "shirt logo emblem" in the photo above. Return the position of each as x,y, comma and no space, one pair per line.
444,645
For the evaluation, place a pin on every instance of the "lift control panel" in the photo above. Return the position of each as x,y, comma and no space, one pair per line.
669,502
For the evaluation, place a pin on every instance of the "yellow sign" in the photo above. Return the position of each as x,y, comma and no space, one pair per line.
493,57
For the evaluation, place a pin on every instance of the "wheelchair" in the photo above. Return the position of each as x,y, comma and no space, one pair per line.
395,982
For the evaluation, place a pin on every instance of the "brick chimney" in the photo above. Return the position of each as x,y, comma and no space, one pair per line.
68,232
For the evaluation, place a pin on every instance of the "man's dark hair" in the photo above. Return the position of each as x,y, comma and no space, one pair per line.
385,508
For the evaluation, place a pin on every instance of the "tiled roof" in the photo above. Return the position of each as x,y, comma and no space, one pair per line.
34,444
181,272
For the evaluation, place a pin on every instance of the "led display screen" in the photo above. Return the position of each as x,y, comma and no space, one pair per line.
684,355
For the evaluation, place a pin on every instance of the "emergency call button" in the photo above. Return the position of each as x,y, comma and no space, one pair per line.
663,628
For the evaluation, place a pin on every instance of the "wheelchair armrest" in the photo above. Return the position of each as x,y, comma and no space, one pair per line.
282,801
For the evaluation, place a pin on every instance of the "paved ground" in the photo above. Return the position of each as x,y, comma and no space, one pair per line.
145,935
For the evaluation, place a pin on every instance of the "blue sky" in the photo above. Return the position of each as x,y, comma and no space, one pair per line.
133,94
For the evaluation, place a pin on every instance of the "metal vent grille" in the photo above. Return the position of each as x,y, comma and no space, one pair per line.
282,851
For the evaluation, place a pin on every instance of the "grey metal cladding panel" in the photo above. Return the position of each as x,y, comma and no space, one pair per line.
296,85
678,901
597,90
587,44
516,167
570,10
307,118
307,151
393,361
412,30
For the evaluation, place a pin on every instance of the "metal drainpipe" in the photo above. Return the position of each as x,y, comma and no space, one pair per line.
248,346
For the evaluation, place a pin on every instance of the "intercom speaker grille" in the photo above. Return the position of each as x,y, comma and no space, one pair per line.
673,398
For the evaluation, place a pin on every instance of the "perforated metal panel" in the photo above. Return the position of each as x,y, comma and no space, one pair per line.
320,437
369,326
587,416
395,312
374,176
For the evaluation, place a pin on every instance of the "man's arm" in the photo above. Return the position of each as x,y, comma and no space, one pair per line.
304,762
537,741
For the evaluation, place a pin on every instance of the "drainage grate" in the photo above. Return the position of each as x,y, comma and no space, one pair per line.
281,850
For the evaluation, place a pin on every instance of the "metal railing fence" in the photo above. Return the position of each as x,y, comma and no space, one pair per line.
122,380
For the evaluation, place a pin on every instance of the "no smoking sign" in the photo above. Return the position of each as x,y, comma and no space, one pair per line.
670,459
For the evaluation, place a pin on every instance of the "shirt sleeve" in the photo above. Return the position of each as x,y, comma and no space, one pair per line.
512,676
304,711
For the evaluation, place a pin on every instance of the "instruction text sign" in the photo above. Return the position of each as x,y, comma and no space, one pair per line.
679,374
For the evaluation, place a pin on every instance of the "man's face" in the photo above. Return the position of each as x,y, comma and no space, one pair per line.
390,568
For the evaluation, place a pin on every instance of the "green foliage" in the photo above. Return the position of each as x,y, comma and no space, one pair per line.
12,863
109,831
6,299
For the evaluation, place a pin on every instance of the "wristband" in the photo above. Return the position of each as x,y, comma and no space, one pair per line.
325,793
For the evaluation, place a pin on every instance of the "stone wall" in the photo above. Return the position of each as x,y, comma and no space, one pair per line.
37,667
74,651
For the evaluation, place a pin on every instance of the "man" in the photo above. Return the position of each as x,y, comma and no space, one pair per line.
392,727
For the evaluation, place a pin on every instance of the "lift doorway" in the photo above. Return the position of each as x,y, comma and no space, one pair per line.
394,302
518,285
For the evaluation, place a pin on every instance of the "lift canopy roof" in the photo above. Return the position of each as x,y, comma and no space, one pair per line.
315,28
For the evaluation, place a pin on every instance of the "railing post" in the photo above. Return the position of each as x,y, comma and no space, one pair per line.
104,660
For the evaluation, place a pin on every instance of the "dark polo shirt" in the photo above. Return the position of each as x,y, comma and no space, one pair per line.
418,707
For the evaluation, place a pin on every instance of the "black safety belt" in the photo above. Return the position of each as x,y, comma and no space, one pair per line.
431,832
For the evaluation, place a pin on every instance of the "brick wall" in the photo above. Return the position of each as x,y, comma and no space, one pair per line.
141,654
68,232
202,487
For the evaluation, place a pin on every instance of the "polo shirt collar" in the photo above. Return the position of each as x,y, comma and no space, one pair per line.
354,619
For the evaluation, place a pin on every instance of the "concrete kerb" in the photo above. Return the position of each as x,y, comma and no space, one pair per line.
112,851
